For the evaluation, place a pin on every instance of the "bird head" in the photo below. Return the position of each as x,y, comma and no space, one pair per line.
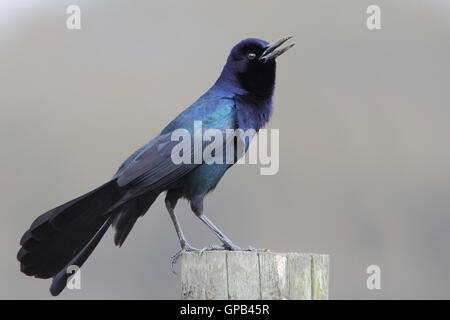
251,66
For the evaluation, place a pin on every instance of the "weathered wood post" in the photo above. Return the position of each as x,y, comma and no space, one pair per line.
231,275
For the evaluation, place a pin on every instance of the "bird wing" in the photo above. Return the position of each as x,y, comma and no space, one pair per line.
152,167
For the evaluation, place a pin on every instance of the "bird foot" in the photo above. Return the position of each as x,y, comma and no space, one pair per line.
228,246
250,248
214,248
186,248
231,247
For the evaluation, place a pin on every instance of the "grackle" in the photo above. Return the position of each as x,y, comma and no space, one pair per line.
241,98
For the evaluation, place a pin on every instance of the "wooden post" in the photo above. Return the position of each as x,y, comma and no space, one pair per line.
231,275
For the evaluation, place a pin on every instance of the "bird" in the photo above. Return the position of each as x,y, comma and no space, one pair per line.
241,98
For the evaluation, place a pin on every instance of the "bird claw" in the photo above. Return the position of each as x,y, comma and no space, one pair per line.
229,246
250,248
186,248
212,248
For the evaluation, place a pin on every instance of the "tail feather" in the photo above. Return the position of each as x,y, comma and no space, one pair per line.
57,236
126,216
60,279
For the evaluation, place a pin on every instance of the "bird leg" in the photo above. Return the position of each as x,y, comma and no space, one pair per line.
227,244
171,201
197,208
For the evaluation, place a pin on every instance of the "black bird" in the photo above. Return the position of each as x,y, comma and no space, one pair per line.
240,99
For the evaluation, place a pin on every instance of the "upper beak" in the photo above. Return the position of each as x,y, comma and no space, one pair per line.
270,52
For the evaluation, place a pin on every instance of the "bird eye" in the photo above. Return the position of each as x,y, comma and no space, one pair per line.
251,56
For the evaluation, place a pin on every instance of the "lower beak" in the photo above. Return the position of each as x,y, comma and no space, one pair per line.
270,52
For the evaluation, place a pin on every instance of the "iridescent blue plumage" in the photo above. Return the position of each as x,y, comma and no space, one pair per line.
241,98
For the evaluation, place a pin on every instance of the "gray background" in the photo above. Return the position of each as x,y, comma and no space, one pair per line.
363,118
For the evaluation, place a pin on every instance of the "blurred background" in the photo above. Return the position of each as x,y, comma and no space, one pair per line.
364,132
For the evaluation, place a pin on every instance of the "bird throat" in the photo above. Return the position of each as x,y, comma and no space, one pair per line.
259,81
252,112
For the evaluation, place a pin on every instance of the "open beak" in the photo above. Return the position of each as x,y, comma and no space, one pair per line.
270,52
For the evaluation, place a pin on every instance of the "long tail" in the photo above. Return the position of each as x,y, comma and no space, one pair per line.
67,234
60,280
